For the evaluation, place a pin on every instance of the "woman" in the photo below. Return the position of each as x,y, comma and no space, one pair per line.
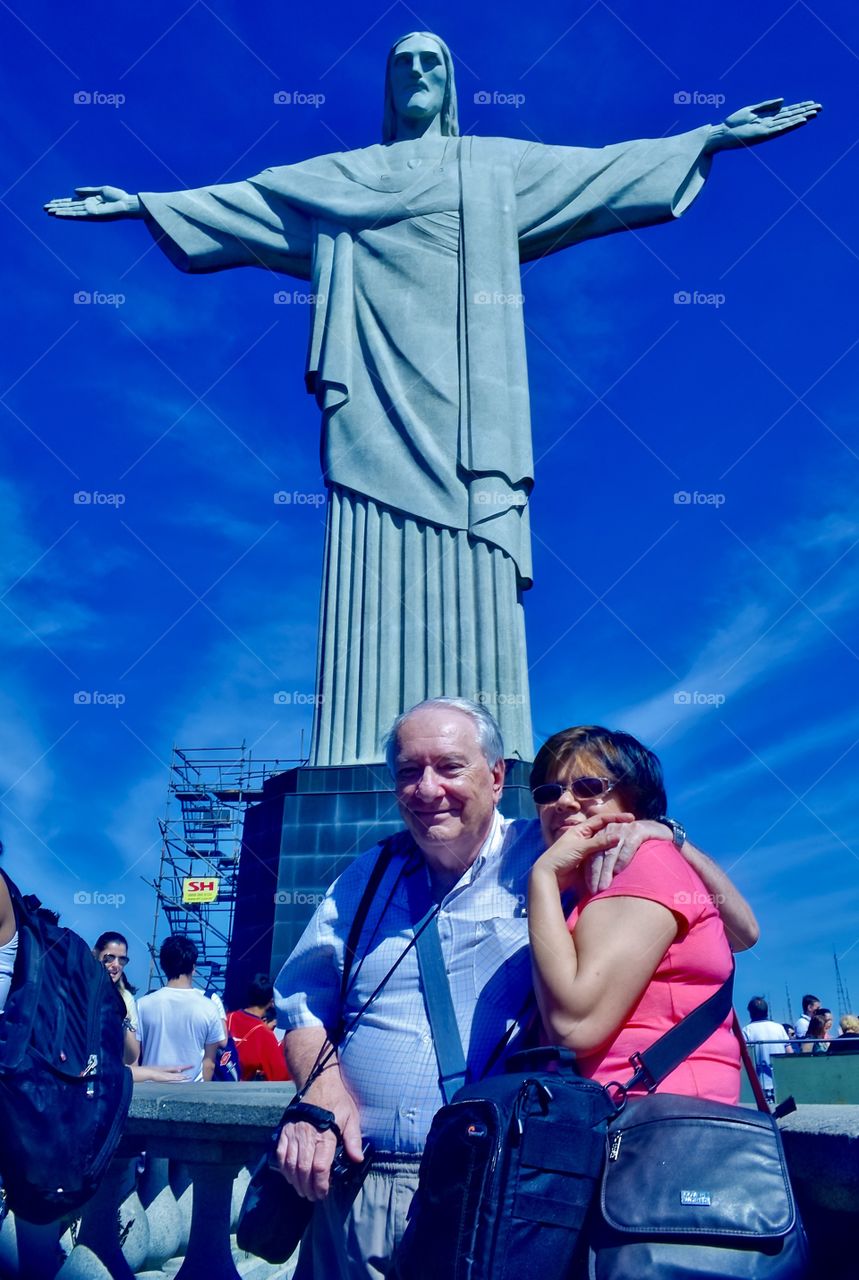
111,950
633,959
817,1035
8,941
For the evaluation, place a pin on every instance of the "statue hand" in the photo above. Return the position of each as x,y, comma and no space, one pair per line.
751,125
103,203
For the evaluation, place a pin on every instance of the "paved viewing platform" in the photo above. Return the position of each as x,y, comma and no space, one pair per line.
178,1218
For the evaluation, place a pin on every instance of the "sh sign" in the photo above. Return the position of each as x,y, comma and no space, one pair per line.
200,890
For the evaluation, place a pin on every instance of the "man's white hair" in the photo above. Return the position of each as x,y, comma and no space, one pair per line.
485,726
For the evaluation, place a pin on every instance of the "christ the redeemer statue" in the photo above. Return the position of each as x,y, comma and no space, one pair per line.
417,361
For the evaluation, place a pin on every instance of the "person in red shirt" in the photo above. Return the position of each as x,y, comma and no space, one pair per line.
260,1055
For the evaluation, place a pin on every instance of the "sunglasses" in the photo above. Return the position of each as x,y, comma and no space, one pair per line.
580,788
120,960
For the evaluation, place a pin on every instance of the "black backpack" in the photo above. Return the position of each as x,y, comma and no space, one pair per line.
64,1091
508,1176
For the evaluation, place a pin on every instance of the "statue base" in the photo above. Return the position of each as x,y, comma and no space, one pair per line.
311,823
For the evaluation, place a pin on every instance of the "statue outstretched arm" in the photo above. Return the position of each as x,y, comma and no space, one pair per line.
765,120
96,204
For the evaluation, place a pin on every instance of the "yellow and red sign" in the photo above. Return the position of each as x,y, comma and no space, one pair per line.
198,890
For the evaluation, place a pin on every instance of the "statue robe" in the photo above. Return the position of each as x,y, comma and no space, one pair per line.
417,360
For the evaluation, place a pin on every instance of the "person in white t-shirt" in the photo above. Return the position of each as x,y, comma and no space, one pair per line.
810,1005
764,1038
178,1023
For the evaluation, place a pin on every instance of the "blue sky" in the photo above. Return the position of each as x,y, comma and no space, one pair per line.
195,597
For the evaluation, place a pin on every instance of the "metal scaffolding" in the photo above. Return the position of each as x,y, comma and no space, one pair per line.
201,841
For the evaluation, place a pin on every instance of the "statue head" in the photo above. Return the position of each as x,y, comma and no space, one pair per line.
419,84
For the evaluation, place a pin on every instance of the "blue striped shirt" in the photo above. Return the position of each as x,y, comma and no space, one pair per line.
388,1062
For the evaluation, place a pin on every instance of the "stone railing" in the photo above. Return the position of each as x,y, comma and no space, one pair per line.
177,1218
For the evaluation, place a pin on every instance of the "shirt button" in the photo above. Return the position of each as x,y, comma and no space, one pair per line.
413,163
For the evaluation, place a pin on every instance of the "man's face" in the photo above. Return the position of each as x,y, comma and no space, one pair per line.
445,787
418,78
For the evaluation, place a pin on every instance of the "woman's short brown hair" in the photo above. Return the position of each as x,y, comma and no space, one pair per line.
636,769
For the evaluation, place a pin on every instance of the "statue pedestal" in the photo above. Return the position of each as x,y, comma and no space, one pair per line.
311,823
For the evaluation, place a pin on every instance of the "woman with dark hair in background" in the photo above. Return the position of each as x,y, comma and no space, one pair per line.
8,941
817,1035
111,950
633,959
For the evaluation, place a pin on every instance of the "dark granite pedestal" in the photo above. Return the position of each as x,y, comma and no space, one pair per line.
311,823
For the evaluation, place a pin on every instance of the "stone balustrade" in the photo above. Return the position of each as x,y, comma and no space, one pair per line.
177,1218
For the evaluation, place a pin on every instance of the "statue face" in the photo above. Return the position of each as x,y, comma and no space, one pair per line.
418,79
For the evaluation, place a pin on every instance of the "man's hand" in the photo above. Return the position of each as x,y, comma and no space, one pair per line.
580,846
305,1154
752,125
102,204
623,836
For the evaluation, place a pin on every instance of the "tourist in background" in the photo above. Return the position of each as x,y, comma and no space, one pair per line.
817,1036
178,1023
260,1055
848,1041
764,1038
810,1005
111,950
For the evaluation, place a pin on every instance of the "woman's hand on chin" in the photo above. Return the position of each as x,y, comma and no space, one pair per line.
569,856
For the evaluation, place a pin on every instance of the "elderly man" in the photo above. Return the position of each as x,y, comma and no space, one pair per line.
446,756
